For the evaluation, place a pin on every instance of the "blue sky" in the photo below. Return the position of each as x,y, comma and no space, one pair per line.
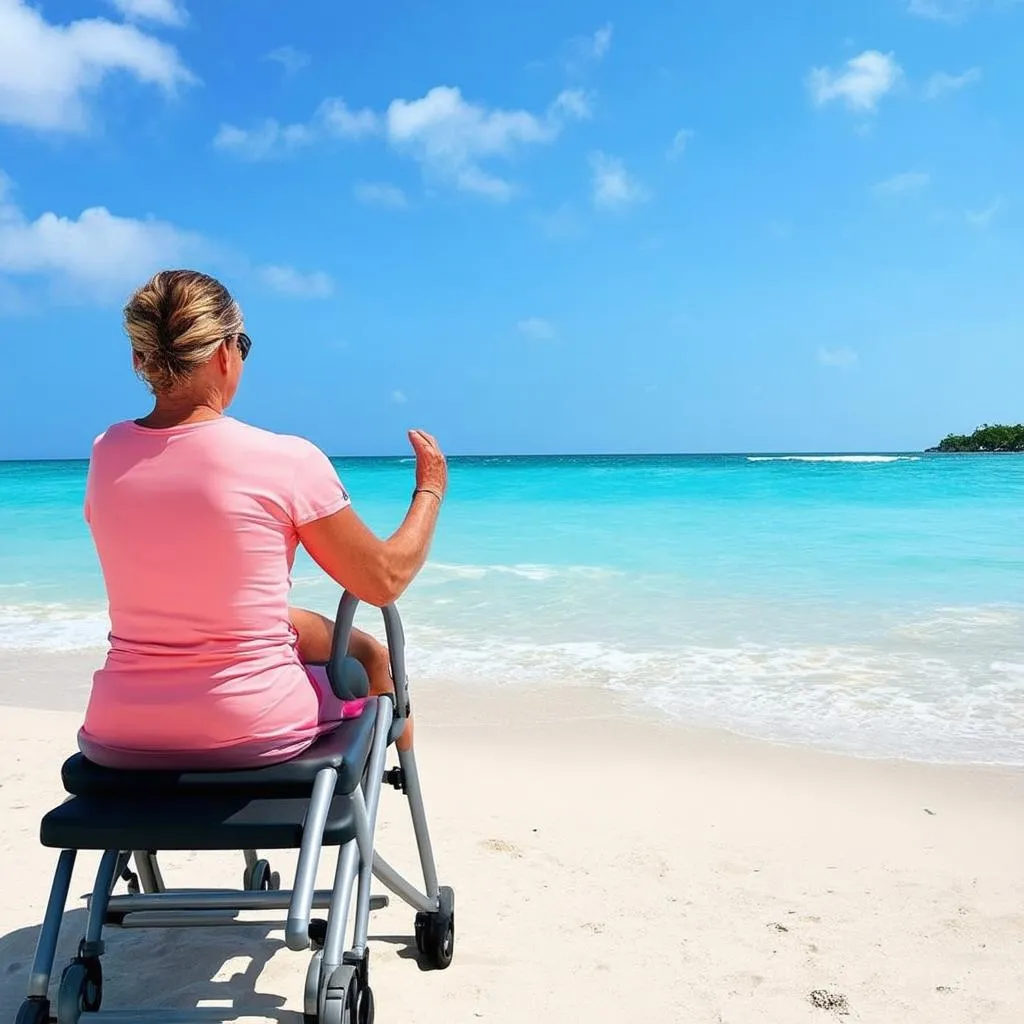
535,227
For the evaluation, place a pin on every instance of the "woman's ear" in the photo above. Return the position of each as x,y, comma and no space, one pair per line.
224,358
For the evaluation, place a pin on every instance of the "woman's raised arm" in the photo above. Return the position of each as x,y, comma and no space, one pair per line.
378,571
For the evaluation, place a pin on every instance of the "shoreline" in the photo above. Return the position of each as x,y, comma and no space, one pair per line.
20,672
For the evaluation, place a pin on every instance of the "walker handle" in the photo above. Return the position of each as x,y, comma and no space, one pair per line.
336,671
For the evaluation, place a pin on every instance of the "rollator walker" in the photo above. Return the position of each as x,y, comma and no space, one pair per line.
327,796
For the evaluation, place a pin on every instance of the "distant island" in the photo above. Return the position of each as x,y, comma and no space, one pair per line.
995,438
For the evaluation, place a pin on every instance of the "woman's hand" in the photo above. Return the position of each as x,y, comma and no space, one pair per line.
431,467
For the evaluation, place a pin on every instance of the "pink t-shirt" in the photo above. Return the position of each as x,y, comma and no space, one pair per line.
196,530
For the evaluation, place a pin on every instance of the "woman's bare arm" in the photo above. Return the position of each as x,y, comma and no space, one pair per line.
374,570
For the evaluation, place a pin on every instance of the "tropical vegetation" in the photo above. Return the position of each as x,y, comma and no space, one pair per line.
995,438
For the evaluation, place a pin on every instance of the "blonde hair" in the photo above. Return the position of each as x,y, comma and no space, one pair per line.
175,322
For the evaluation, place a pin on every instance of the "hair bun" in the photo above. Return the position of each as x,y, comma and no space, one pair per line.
175,323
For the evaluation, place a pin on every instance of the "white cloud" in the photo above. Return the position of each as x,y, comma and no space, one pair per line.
338,119
613,187
451,137
164,12
536,329
898,184
99,255
983,218
270,139
954,12
951,11
861,83
398,397
289,281
573,103
601,41
380,193
680,142
95,254
263,142
582,52
290,58
839,358
941,84
47,72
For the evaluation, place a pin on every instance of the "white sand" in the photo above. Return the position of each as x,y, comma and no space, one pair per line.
607,868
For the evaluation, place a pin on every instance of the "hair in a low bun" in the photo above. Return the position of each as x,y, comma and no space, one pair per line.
175,322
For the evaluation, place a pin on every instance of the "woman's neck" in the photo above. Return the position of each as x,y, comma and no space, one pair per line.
175,411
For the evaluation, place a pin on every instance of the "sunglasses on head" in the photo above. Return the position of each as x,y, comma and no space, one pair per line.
244,344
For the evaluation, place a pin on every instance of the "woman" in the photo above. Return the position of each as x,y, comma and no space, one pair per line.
196,518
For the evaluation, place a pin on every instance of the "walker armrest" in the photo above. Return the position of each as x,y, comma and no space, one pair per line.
340,678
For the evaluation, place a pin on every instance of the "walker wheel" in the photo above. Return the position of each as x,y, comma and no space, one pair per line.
365,1008
311,994
342,997
261,878
435,931
80,990
33,1011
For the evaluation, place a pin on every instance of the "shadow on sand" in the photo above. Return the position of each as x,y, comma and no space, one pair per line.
204,974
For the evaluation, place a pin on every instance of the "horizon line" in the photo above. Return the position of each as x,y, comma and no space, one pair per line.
581,455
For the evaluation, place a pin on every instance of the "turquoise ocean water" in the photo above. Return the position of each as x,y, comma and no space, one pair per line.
867,604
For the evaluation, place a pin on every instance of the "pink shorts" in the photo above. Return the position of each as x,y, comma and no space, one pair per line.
331,712
331,709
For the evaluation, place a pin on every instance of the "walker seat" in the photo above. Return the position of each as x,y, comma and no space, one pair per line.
345,749
326,797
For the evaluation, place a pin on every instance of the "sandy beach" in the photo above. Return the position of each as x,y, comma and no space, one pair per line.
607,866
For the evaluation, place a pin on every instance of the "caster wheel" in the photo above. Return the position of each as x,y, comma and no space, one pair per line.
311,996
33,1011
365,1008
80,990
341,999
261,878
435,932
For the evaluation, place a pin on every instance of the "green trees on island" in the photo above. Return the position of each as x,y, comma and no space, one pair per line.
996,438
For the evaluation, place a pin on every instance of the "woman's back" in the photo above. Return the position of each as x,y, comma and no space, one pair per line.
196,529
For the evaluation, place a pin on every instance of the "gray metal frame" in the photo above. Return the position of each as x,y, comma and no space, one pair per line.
156,906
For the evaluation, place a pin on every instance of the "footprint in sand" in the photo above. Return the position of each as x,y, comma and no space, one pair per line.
503,846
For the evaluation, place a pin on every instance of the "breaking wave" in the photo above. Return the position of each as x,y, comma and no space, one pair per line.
865,700
833,458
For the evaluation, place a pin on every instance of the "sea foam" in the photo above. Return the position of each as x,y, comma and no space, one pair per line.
860,700
834,458
52,627
910,697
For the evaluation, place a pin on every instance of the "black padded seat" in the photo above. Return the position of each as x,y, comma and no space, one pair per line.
193,821
346,749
